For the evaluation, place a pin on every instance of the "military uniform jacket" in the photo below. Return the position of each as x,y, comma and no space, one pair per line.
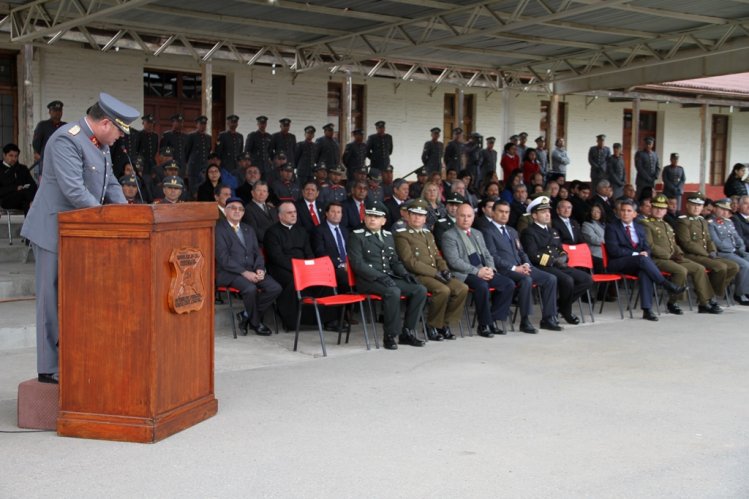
306,155
228,147
331,193
354,157
598,161
125,148
474,158
371,258
379,149
648,168
431,156
78,175
725,237
148,146
543,247
43,131
615,174
178,142
489,160
284,191
440,227
328,151
198,148
693,236
419,252
674,179
258,145
453,155
661,239
283,143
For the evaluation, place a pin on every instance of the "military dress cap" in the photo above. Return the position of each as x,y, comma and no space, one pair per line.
617,145
234,199
491,139
358,131
649,140
540,138
149,118
328,126
419,207
166,151
388,168
475,135
455,198
338,170
288,167
281,156
724,203
173,181
361,169
457,130
538,204
319,166
139,162
120,113
374,176
380,124
201,119
375,207
674,155
172,165
262,119
232,117
601,136
422,172
695,198
245,156
659,201
285,121
513,137
177,117
55,104
435,130
309,128
129,180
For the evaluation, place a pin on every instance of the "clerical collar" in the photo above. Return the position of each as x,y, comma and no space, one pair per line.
287,226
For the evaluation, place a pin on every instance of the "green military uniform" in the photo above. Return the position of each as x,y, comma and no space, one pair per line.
693,237
420,255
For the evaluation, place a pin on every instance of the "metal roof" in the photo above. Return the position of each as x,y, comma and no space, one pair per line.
557,45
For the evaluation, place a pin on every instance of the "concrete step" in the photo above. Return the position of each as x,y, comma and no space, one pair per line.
16,280
16,222
16,253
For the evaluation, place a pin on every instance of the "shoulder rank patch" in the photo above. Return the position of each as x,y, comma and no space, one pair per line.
402,229
682,216
75,130
358,231
387,233
442,220
425,229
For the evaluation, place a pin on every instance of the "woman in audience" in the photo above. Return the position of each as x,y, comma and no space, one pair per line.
735,185
470,193
531,167
510,160
213,178
435,210
515,178
593,231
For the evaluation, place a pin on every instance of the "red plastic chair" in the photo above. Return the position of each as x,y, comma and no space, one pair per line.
234,291
627,278
319,272
579,256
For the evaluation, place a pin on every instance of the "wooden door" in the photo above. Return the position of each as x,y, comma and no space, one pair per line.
719,142
545,118
648,127
451,119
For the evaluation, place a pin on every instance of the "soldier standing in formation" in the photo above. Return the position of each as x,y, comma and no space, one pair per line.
434,149
197,150
305,153
542,156
489,157
379,147
229,143
648,166
284,141
176,141
474,158
44,130
328,150
258,145
378,270
355,155
674,179
598,157
454,151
148,144
615,171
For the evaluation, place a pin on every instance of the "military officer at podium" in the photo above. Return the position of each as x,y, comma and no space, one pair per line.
78,174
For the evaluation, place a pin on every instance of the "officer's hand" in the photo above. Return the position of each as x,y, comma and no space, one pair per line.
440,278
447,274
713,255
386,281
410,279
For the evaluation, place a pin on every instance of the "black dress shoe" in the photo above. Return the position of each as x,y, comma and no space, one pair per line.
571,319
53,378
389,343
485,331
433,334
495,330
550,324
740,300
527,327
447,333
674,308
648,315
408,337
242,322
710,308
333,326
672,288
261,330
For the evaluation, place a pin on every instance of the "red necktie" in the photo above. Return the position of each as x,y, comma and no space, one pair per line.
361,211
468,233
629,236
313,214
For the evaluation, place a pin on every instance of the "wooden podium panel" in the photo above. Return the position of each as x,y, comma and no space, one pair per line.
136,329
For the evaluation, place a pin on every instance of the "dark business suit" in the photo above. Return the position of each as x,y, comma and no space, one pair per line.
260,219
742,227
351,219
507,253
481,223
234,255
324,244
543,247
303,215
576,237
622,259
394,212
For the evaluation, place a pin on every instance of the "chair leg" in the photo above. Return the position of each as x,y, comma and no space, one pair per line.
580,306
274,311
590,306
10,229
619,299
467,316
340,325
231,312
298,323
363,323
605,294
374,322
319,330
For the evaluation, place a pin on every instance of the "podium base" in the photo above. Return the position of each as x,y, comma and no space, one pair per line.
135,429
38,405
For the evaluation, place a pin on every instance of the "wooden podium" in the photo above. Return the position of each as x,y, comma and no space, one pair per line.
136,306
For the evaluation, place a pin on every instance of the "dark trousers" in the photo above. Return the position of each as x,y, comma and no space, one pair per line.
490,306
571,285
18,200
547,285
416,295
255,304
645,269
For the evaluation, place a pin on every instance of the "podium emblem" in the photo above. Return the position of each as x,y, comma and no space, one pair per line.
187,290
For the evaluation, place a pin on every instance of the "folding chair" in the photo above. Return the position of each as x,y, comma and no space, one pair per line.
8,213
234,291
579,256
626,279
319,272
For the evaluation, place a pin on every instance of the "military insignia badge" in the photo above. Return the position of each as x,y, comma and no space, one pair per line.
187,289
75,130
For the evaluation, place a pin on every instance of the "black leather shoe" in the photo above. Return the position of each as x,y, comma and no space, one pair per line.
495,330
740,300
571,319
648,315
672,288
447,333
408,337
53,378
710,308
527,327
332,326
242,322
433,334
389,343
261,330
485,331
674,308
550,325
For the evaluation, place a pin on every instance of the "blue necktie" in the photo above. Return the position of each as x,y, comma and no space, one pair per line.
341,247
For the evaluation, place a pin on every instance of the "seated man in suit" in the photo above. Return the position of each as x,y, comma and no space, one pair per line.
329,239
741,219
17,187
467,256
484,214
511,261
544,249
419,253
354,206
260,214
568,228
240,265
222,193
629,253
394,203
309,211
604,198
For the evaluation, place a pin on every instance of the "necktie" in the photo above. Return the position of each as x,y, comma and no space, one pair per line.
361,212
629,236
313,214
468,233
341,247
569,227
239,234
505,233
